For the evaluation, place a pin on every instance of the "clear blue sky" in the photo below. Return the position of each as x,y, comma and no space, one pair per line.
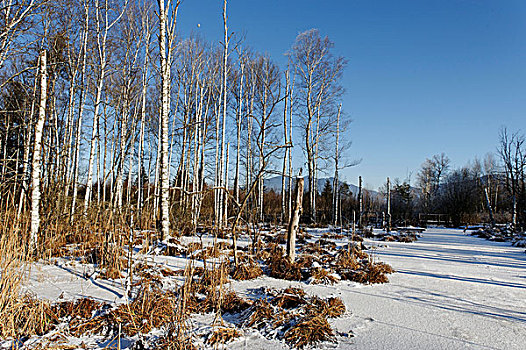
423,77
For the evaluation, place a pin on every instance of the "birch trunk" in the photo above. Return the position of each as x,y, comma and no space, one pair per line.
336,185
360,202
164,117
295,220
36,165
225,199
222,193
388,205
284,169
289,150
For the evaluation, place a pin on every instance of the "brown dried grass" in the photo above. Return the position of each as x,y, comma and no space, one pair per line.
232,303
20,315
281,267
262,312
222,335
246,271
152,308
309,331
290,298
345,260
322,276
77,311
331,307
27,316
371,273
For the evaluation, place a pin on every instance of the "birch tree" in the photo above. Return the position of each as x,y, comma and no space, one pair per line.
166,42
37,148
318,88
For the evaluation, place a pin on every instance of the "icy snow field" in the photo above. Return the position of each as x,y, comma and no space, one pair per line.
451,291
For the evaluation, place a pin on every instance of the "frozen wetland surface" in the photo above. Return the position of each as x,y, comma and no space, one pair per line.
450,291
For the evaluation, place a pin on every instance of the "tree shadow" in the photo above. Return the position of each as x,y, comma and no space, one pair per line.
450,258
463,278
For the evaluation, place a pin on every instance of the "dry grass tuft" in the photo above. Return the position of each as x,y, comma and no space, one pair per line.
281,267
222,335
246,271
20,316
77,311
305,261
309,331
333,235
371,273
262,312
152,308
210,279
27,316
322,276
331,307
290,298
313,248
232,303
192,247
347,261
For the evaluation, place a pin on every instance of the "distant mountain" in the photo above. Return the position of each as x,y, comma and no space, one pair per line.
274,183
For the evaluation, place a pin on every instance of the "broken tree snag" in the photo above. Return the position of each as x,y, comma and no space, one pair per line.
294,220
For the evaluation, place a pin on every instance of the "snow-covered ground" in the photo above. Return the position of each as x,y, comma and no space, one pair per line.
451,291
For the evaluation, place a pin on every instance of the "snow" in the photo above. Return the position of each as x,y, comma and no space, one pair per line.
451,291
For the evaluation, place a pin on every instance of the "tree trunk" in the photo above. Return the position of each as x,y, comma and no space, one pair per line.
165,109
36,166
388,205
488,203
336,185
284,170
295,220
360,202
223,193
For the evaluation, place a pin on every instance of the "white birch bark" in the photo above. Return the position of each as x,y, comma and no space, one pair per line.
285,137
37,148
388,205
289,150
295,220
165,53
223,193
225,181
336,184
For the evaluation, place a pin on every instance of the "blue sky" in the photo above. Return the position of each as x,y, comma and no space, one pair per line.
423,77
